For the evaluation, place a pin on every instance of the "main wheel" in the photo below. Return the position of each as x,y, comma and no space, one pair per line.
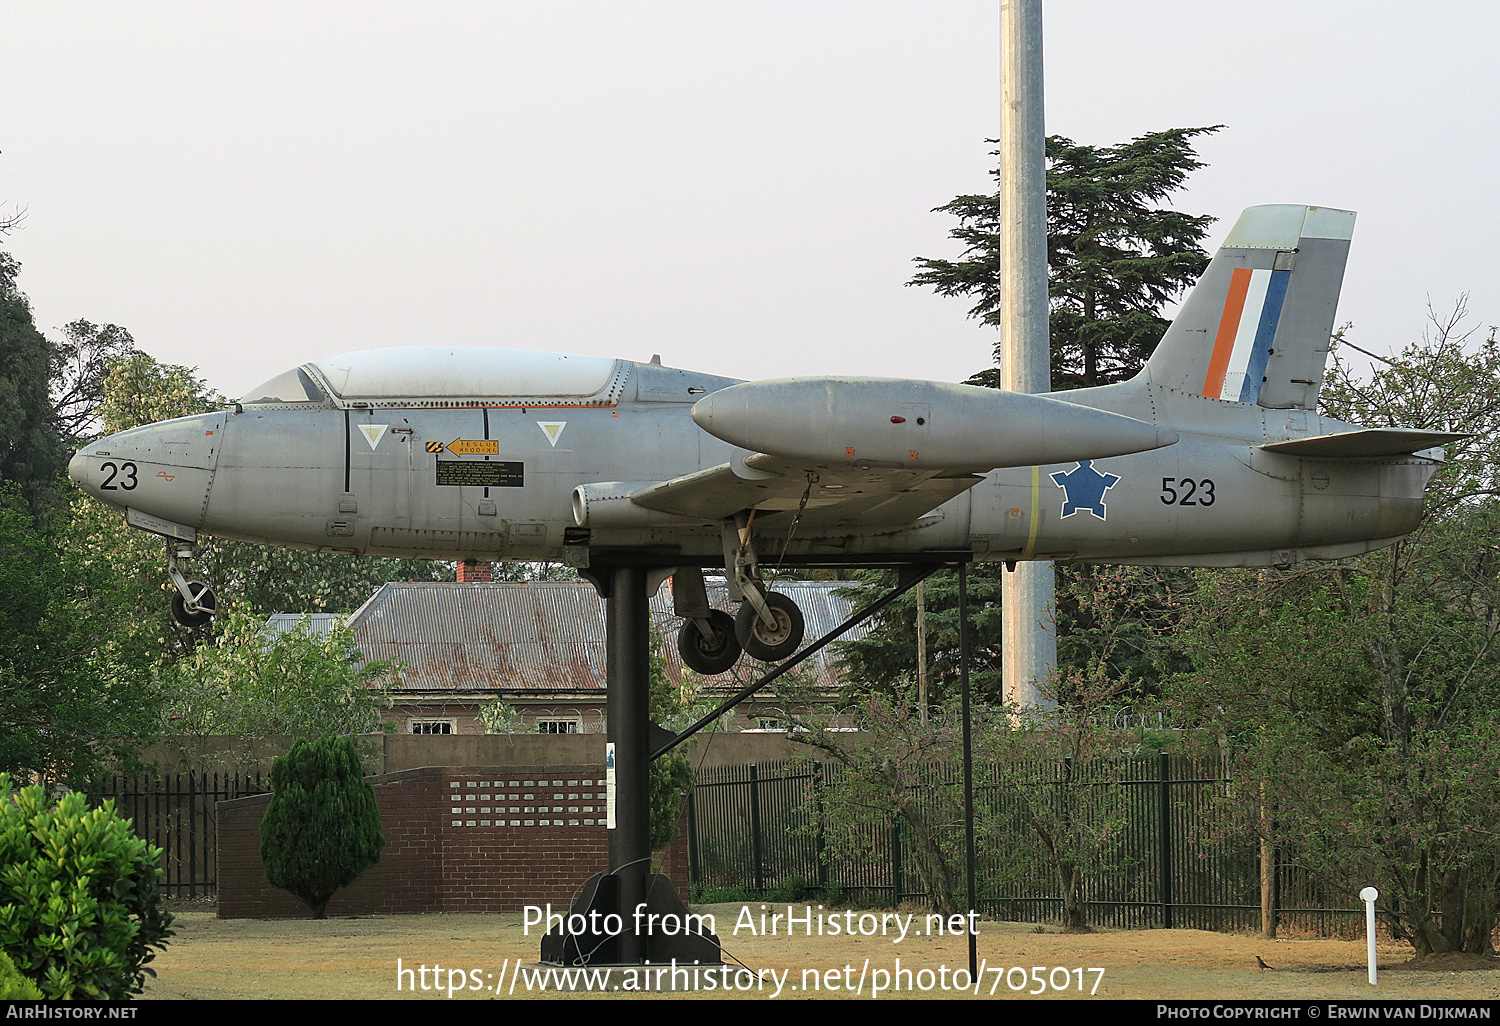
713,654
766,643
204,596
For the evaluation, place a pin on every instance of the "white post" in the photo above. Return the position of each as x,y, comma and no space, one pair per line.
1029,647
1369,894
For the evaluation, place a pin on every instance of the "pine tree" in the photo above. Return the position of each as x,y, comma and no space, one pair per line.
1114,257
322,827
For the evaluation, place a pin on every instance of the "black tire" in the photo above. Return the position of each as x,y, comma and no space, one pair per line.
762,643
204,596
710,655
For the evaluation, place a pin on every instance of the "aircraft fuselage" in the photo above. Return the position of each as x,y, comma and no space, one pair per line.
497,483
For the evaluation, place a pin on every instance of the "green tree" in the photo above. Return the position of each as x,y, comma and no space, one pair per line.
1126,613
1365,695
322,826
886,659
32,454
251,683
83,362
14,986
901,767
138,389
1059,779
1114,256
76,688
500,717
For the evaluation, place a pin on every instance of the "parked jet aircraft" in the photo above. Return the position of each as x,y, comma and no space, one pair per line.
1213,455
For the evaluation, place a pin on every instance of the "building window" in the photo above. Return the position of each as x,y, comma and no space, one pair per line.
557,725
432,726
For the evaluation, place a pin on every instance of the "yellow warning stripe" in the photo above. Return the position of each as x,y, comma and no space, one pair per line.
1036,501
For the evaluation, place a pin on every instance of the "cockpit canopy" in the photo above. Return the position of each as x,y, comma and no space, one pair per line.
294,386
446,376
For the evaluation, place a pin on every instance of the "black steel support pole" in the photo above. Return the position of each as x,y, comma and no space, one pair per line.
628,644
963,676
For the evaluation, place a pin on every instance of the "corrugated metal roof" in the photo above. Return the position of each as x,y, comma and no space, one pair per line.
319,625
544,635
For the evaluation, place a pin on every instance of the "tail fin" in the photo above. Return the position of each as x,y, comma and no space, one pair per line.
1255,328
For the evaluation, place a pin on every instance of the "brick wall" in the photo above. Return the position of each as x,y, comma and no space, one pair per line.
438,860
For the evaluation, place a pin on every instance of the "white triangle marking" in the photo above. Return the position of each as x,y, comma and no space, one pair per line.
553,428
373,433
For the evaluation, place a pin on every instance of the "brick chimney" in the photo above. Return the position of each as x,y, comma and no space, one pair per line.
472,571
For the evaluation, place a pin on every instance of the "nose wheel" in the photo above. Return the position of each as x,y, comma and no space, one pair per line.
194,604
196,610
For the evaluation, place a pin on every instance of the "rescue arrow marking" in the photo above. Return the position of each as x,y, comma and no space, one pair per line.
474,447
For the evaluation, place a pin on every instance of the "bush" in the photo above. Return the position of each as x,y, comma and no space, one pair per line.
80,896
322,828
14,986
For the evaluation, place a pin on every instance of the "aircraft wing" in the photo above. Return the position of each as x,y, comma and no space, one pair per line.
878,452
829,494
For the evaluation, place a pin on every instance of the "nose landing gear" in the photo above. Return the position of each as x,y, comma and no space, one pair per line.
194,604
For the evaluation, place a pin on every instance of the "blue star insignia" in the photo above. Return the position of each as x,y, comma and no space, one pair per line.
1084,488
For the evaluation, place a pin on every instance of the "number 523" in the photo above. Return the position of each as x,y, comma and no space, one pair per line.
1203,490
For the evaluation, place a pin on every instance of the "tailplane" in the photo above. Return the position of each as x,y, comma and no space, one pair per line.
1256,327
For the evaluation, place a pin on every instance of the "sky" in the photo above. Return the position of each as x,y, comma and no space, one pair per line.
740,187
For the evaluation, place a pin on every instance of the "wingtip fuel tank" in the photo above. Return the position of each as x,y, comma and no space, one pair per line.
889,422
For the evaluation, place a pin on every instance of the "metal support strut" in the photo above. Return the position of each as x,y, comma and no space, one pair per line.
629,890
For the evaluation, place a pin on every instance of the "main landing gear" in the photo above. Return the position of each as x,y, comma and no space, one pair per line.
768,626
194,603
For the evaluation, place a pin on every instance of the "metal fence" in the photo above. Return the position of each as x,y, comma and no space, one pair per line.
1166,861
177,813
1162,852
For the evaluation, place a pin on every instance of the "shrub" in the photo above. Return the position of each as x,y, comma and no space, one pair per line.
322,827
80,896
14,986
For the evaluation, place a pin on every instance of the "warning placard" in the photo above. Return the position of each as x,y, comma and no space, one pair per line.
474,447
495,474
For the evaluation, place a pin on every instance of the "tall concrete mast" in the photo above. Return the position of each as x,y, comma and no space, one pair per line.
1027,595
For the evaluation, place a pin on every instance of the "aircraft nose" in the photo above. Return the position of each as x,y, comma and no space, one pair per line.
161,470
76,468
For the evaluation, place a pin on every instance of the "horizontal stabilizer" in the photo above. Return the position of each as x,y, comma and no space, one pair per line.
1366,444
